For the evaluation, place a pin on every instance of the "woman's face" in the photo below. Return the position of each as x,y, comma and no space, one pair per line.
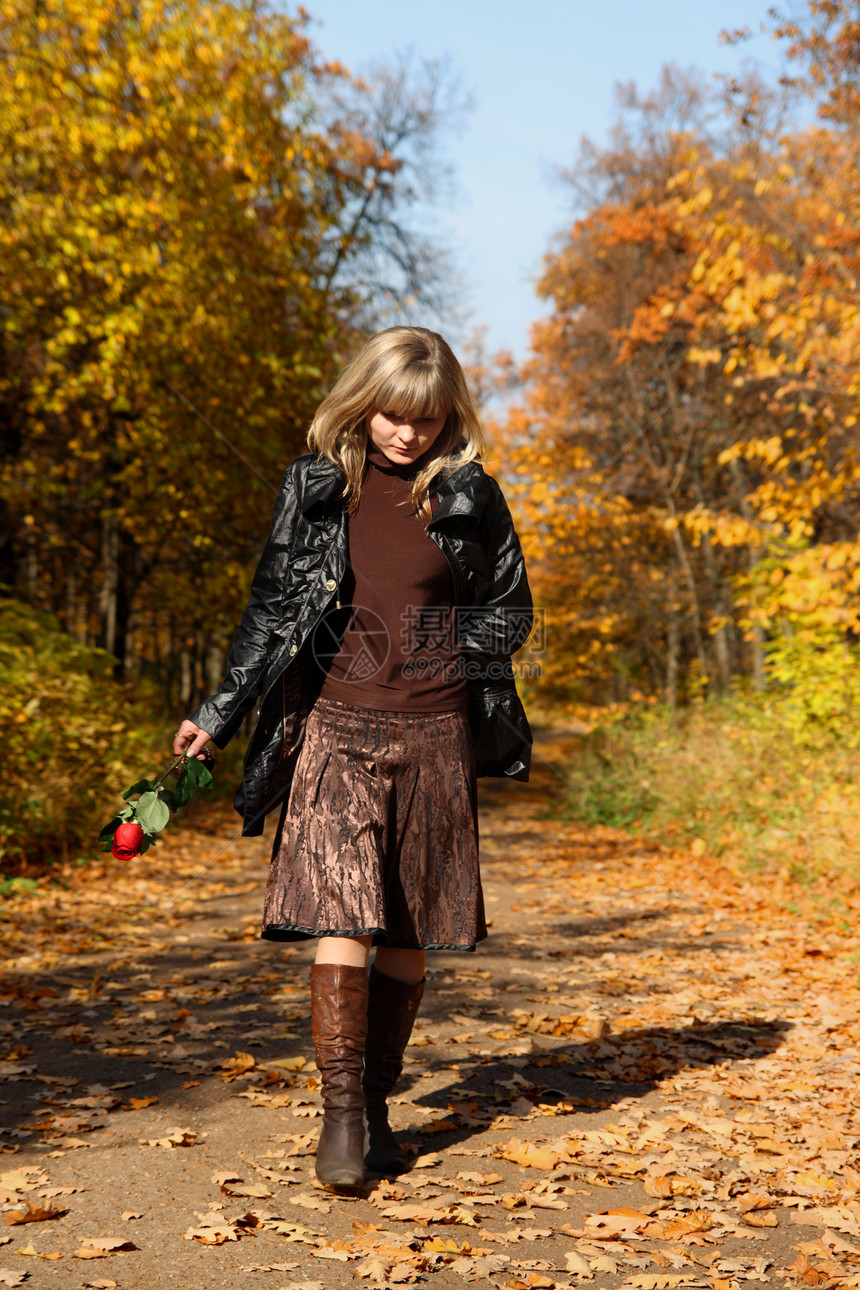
402,439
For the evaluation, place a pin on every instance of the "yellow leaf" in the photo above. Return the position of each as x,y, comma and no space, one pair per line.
529,1155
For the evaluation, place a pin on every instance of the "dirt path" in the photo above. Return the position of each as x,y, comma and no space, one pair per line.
646,1077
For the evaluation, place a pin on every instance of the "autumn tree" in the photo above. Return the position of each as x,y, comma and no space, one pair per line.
692,393
185,210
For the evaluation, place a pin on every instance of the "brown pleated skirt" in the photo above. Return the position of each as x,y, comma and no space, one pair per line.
379,833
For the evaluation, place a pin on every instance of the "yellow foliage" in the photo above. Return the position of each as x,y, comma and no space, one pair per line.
701,356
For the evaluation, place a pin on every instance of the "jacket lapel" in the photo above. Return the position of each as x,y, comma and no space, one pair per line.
322,481
457,493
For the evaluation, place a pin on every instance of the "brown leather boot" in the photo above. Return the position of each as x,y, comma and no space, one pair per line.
392,1006
339,1028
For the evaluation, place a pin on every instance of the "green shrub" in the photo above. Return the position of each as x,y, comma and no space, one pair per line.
72,739
740,775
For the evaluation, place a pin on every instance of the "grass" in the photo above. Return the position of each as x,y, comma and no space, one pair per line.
731,777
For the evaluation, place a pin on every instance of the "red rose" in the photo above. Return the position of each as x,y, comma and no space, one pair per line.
127,841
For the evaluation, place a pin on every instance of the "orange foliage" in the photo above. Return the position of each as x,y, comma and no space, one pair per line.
692,399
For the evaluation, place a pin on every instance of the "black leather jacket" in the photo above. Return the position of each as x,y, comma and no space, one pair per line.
297,580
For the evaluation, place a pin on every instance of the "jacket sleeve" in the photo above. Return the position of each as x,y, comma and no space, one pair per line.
502,622
223,713
501,734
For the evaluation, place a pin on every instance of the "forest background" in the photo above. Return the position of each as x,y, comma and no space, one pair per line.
201,218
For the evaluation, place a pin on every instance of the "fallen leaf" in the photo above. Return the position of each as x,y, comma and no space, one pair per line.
526,1153
427,1161
372,1269
212,1234
760,1220
407,1213
754,1200
331,1252
174,1138
660,1281
576,1263
479,1269
616,1224
99,1247
271,1267
311,1202
839,1216
33,1214
18,1180
439,1245
238,1065
236,1187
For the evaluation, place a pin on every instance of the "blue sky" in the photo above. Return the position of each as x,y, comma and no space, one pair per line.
542,74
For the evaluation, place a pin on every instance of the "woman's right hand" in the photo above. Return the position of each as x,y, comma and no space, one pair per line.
190,740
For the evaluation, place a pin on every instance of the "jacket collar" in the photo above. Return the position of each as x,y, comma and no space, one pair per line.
456,490
323,479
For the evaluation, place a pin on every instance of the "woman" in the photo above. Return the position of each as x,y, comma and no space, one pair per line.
382,618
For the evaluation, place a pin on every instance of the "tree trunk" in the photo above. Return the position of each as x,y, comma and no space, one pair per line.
186,678
719,599
758,641
118,555
758,672
32,573
690,579
110,580
215,666
722,649
673,657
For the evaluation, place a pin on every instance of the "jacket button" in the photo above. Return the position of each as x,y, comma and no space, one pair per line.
293,649
330,584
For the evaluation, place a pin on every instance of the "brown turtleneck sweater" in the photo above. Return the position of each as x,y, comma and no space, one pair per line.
392,645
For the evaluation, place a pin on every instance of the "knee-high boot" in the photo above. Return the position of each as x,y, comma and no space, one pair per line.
339,1027
391,1010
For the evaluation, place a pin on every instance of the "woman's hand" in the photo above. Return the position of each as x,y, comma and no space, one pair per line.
190,739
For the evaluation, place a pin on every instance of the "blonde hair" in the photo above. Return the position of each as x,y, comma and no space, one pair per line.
413,372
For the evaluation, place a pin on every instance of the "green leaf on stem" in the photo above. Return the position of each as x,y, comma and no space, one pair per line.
152,814
109,830
197,773
184,790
